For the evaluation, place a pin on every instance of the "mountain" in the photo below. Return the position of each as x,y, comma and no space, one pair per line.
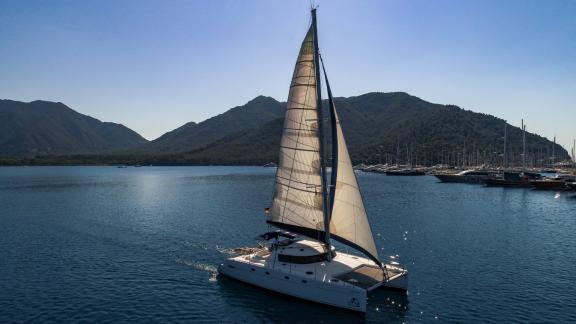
255,113
390,127
43,127
379,127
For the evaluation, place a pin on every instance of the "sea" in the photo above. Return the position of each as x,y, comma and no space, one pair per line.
142,244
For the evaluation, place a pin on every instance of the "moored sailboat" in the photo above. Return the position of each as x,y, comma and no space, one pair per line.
466,176
313,210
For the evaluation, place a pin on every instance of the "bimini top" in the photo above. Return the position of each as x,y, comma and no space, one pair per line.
304,252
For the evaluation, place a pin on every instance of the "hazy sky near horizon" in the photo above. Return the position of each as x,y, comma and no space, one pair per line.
155,65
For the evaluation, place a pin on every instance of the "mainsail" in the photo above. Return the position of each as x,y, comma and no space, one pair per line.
298,199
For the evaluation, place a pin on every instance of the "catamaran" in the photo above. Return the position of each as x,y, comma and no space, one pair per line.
311,210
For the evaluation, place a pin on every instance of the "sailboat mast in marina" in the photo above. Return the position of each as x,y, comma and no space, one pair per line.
310,210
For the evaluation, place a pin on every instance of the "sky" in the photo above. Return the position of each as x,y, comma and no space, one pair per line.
156,65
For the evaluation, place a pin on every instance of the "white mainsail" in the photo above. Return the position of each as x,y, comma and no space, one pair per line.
349,222
297,203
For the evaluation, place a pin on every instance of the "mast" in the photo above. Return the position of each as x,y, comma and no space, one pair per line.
325,204
523,146
398,151
505,164
554,151
574,156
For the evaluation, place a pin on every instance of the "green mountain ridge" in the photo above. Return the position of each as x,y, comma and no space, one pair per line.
379,127
393,127
192,135
43,127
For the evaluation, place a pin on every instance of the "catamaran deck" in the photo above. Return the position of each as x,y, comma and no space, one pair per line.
369,277
345,269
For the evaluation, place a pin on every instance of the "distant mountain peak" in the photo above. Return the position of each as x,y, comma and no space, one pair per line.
261,100
45,127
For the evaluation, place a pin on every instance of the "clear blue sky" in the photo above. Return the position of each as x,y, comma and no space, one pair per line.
155,65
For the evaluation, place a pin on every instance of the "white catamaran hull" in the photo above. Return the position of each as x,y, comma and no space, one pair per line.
399,282
351,298
342,282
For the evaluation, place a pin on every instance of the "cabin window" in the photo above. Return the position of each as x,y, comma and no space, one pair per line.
267,272
309,272
334,280
252,269
286,277
304,281
231,266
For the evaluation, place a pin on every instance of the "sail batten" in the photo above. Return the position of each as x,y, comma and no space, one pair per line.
298,198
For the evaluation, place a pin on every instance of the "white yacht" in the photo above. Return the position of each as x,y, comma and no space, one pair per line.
310,210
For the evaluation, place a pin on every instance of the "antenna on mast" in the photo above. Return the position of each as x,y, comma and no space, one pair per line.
313,5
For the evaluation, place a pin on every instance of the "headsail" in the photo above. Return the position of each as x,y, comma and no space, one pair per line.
348,221
298,196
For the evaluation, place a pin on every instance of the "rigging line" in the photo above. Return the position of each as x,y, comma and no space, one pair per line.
293,215
303,104
308,200
296,121
306,165
294,144
303,190
308,219
303,63
299,129
300,182
300,103
298,202
300,109
301,221
334,131
304,173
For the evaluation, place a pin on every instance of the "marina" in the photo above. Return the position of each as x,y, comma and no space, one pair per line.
549,179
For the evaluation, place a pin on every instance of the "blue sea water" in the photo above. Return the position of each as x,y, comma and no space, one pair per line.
104,244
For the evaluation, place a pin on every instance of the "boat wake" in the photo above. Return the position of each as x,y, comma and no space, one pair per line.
211,269
237,251
223,250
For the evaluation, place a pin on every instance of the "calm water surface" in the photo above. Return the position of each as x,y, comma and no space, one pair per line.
142,244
